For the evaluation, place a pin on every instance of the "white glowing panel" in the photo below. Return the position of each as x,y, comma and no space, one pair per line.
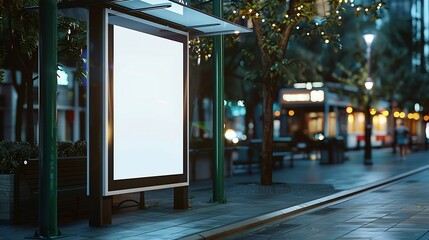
148,105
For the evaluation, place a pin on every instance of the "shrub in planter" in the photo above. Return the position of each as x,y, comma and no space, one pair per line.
13,153
65,149
80,148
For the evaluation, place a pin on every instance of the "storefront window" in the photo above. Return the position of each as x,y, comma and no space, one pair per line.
332,124
315,122
356,122
380,123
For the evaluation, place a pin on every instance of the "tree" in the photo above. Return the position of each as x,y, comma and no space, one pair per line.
19,53
19,40
274,24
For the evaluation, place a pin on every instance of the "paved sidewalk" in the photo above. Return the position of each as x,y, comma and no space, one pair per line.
399,211
307,182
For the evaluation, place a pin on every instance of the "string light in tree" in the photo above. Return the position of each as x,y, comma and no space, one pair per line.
251,12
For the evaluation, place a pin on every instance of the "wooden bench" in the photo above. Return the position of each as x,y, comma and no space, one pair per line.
282,150
72,200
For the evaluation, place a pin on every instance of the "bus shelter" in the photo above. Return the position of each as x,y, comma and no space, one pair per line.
137,96
138,53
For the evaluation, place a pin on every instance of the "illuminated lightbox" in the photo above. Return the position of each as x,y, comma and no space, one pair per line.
147,107
313,96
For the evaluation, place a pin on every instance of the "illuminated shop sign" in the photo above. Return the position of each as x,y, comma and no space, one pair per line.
314,96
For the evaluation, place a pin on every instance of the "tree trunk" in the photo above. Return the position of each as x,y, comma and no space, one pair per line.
267,134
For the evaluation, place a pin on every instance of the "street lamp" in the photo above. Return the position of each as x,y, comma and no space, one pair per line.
369,84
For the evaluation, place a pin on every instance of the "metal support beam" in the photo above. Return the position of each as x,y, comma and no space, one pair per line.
100,207
48,217
218,107
368,133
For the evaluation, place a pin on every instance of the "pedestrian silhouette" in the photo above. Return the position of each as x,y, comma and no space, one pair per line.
402,139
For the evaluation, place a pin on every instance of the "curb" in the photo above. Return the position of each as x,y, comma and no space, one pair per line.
246,224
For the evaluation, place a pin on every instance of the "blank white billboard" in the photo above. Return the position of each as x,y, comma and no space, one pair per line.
148,104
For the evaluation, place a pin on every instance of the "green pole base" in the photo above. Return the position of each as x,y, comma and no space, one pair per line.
37,235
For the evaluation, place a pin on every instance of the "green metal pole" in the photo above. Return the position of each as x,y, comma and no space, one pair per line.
48,224
218,123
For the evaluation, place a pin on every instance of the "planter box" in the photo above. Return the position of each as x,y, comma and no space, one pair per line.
6,196
72,201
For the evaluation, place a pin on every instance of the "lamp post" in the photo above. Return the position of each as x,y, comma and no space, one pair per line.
368,118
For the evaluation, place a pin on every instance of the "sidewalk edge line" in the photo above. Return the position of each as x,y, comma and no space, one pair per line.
236,227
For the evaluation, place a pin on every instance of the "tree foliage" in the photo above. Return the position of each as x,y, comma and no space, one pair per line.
19,42
275,24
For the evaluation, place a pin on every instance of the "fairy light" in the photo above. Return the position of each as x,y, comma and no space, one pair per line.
243,17
339,17
385,113
379,5
323,33
366,9
308,34
326,41
298,14
396,114
287,16
297,27
263,20
349,110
